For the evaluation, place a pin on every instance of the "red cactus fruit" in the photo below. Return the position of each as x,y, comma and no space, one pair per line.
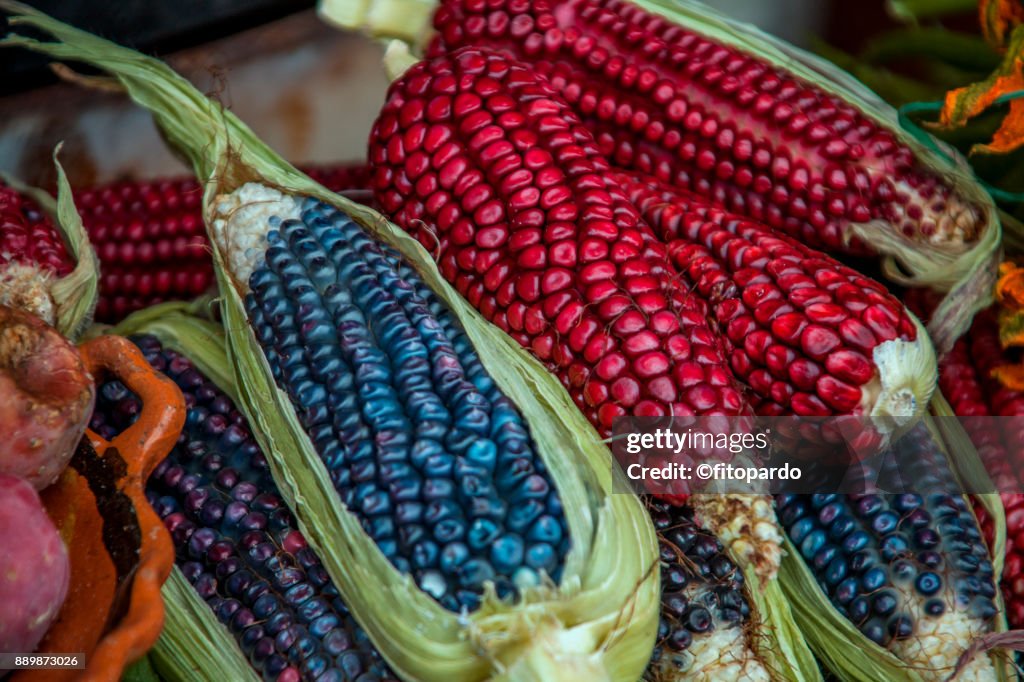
36,568
46,398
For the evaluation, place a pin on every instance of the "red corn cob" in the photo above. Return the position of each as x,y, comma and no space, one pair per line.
32,255
966,382
151,241
28,236
810,336
531,229
713,119
479,159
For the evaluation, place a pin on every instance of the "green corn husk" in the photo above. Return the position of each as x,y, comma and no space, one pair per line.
836,641
966,273
75,295
599,623
194,644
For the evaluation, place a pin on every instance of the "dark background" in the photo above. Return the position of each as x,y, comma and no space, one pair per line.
165,26
153,26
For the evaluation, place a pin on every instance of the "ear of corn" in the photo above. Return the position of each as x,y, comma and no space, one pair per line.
600,621
733,114
893,586
810,336
718,620
151,241
238,547
47,266
971,391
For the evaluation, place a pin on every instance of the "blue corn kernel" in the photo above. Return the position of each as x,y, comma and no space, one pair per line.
801,529
482,533
507,552
449,530
824,556
545,529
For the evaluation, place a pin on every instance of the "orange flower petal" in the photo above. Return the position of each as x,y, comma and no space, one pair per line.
965,103
998,18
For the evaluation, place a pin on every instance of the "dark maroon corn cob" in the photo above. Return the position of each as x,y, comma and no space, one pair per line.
480,160
236,541
151,242
725,124
810,336
705,614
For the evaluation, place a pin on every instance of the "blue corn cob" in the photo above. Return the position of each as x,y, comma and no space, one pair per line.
420,443
705,615
911,570
236,541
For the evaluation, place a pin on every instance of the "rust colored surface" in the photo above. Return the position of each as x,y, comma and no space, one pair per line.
121,554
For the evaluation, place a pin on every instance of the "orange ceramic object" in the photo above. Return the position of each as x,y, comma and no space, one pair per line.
120,552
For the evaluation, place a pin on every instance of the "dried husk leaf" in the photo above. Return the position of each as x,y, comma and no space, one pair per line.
75,295
599,623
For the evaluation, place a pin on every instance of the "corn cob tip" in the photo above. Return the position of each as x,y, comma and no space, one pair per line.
747,526
724,655
397,59
243,220
708,620
558,653
906,376
27,287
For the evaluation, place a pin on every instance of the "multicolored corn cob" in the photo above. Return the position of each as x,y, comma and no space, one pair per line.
749,134
151,240
705,630
910,571
421,444
237,543
32,255
810,336
967,383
